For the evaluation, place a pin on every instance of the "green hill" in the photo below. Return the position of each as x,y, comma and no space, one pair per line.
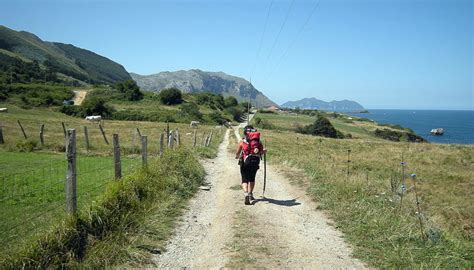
65,60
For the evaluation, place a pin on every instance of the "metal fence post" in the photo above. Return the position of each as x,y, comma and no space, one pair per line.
117,162
144,151
71,189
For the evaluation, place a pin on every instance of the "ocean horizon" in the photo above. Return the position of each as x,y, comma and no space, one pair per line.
458,125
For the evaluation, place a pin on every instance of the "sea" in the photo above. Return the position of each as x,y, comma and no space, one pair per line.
458,125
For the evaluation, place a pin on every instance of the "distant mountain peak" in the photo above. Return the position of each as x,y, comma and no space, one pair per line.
196,80
317,104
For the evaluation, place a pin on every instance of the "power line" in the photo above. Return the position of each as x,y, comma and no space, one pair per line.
301,30
279,32
261,41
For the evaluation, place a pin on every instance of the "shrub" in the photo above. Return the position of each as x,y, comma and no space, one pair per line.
230,102
236,112
171,96
27,146
397,136
266,111
191,110
96,106
321,127
130,90
217,117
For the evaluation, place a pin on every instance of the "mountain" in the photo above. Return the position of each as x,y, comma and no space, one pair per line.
196,80
316,104
57,57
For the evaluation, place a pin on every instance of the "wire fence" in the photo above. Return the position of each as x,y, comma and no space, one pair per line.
35,188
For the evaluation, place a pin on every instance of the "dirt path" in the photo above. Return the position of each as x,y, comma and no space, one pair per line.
283,230
79,96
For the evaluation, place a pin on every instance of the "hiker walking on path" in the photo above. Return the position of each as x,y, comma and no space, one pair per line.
249,153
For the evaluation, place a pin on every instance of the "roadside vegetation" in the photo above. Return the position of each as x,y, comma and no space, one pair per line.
124,225
358,181
119,222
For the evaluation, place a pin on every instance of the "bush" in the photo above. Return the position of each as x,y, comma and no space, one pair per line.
217,117
230,102
171,96
191,110
130,90
321,127
215,102
266,111
27,146
96,106
263,123
35,95
236,112
398,136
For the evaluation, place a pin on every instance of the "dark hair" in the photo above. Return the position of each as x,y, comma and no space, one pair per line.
249,128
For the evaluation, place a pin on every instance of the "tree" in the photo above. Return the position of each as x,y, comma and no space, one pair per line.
130,90
321,127
96,106
230,102
171,96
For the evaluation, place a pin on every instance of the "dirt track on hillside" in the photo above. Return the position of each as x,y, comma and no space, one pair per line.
291,232
79,96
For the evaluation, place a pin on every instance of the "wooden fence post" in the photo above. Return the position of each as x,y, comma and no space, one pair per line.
71,190
64,129
22,130
41,134
162,143
167,131
103,134
86,136
178,138
1,135
171,139
210,138
117,162
144,151
194,138
203,141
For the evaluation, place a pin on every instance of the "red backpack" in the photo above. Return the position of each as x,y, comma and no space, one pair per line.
251,149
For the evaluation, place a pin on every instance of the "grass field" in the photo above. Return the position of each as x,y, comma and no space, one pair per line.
363,195
31,120
32,177
32,196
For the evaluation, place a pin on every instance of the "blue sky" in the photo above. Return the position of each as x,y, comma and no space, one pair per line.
384,54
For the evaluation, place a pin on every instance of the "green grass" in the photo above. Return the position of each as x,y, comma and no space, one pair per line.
32,197
366,208
54,136
136,212
32,183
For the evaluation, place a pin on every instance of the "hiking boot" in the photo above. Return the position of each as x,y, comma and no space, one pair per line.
252,198
247,200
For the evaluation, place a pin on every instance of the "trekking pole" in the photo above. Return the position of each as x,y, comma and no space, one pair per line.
264,172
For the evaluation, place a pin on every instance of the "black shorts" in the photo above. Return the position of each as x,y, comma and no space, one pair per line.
248,173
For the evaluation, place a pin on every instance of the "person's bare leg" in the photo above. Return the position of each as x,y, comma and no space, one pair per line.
245,187
251,187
